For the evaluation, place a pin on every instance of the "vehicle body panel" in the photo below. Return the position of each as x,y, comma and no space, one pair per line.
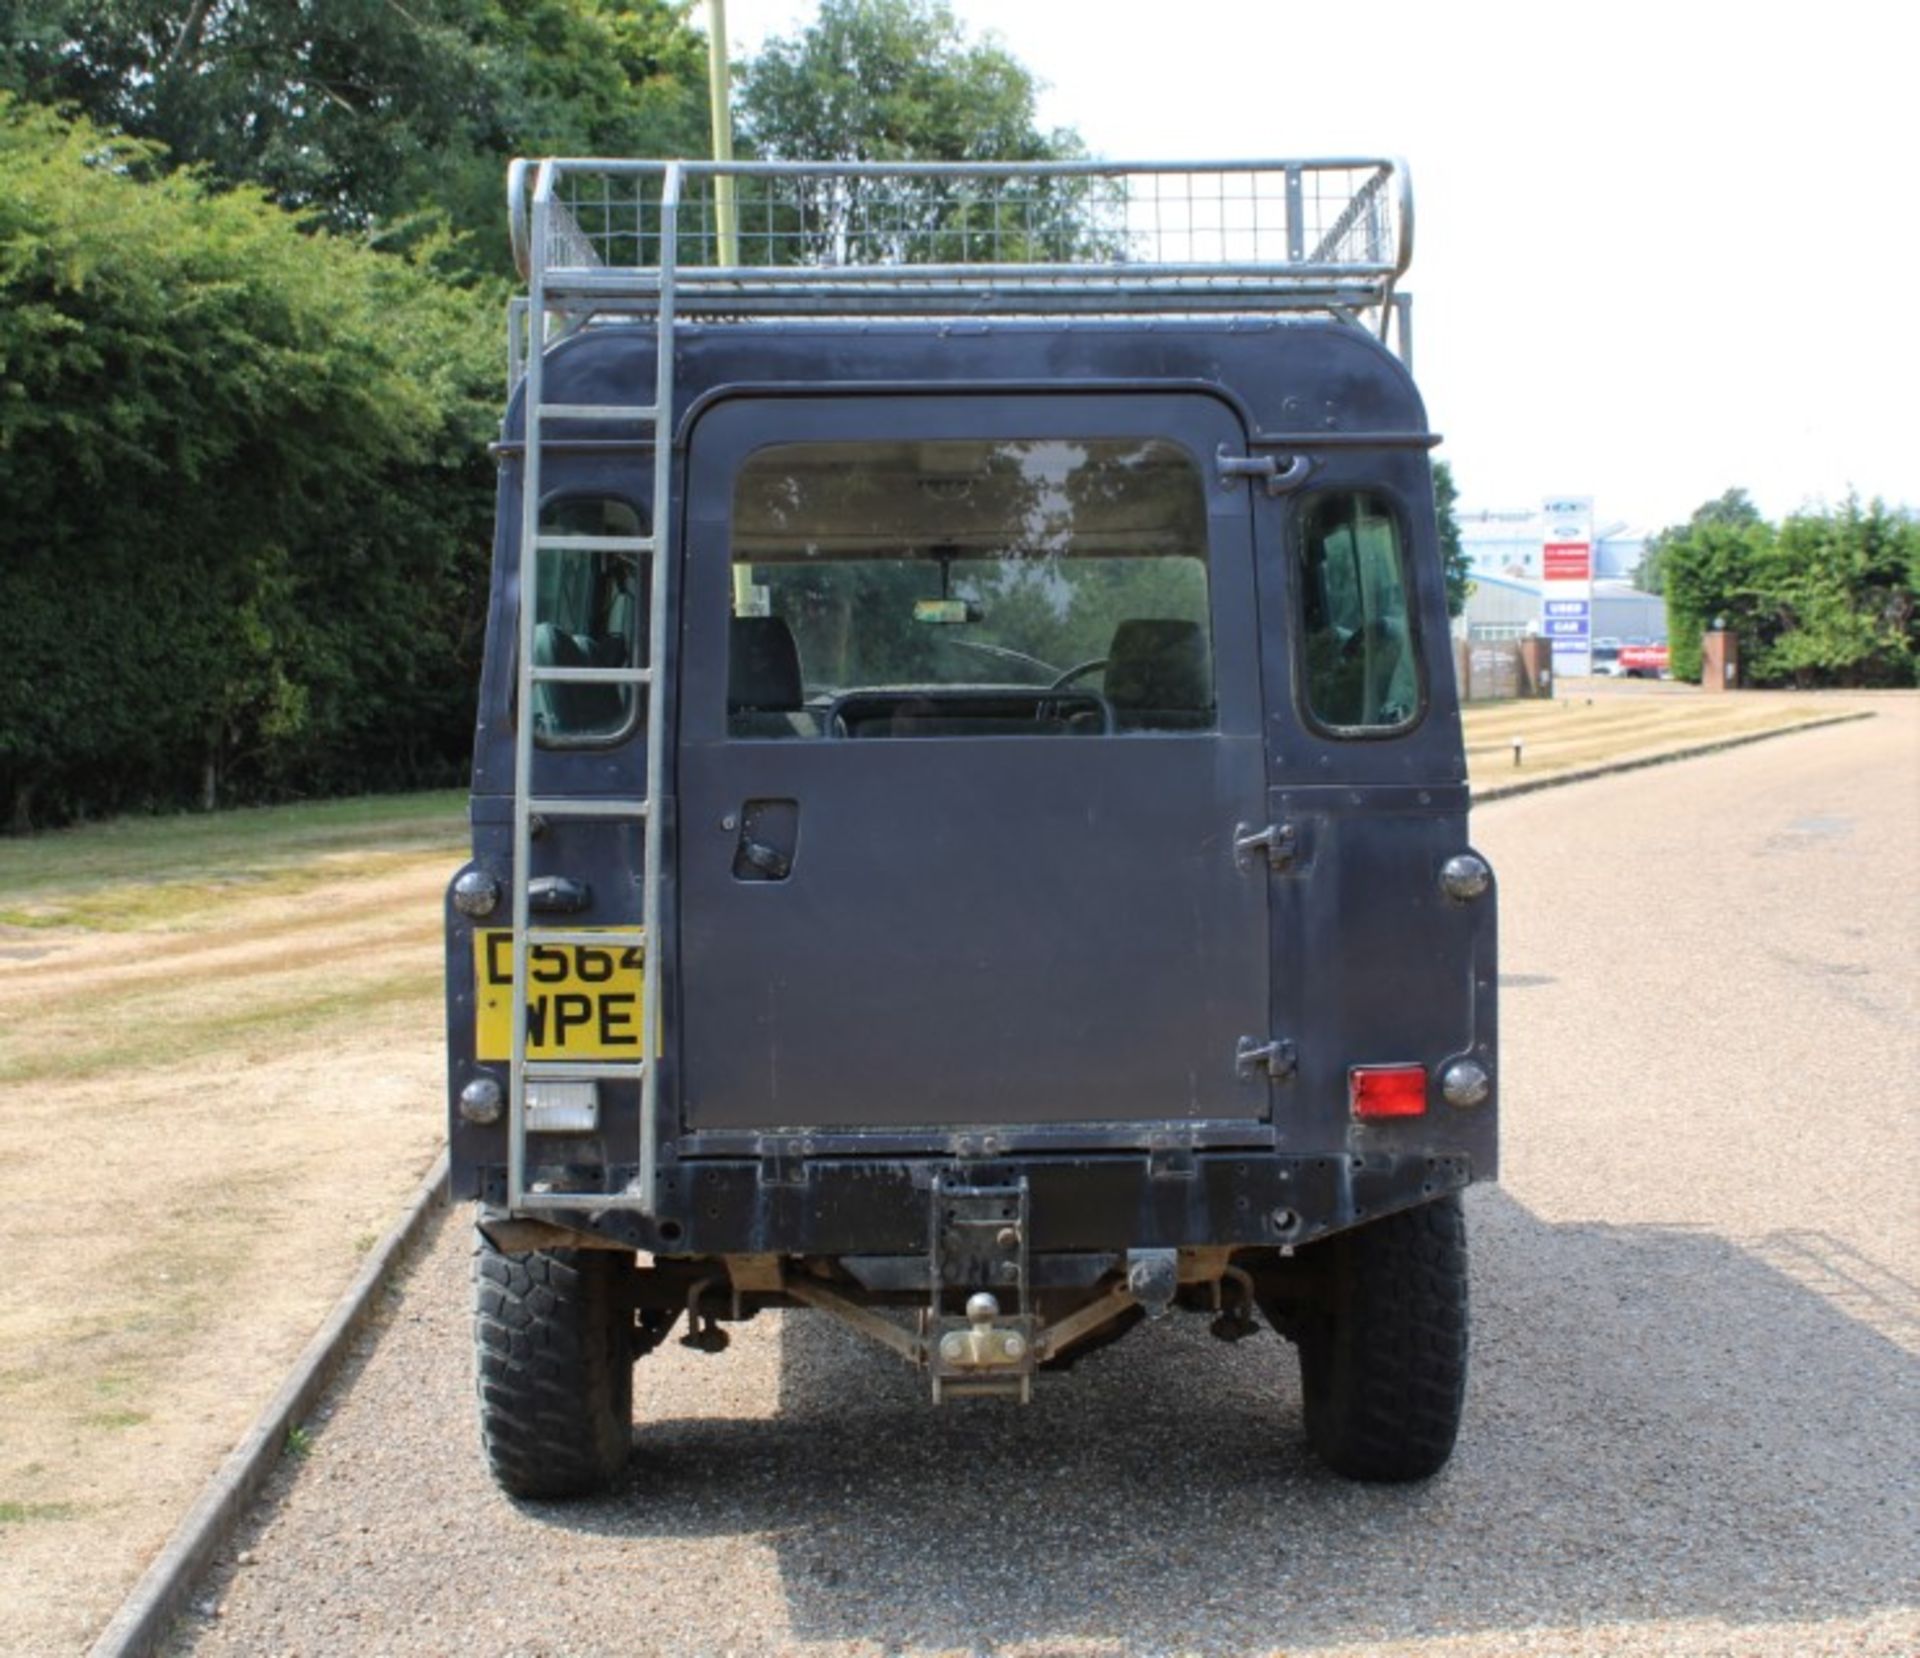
1091,1060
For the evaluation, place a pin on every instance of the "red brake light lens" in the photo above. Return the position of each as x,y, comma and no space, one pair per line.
1387,1091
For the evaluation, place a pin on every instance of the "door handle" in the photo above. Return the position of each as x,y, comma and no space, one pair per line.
769,840
769,860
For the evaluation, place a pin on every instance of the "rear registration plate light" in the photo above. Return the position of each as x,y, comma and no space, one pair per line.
563,1107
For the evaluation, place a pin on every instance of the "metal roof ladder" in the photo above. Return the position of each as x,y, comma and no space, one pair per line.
547,303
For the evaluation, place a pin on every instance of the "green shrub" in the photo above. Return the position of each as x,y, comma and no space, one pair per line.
247,493
1828,598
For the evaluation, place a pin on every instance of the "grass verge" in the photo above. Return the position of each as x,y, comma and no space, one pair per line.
184,870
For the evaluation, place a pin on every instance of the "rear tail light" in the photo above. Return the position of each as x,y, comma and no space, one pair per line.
1375,1091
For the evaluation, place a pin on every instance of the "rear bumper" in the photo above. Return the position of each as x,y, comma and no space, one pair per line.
873,1206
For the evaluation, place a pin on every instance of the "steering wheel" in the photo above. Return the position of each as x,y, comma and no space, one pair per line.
1077,671
1062,681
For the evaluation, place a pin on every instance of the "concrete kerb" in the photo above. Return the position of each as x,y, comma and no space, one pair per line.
147,1615
1581,774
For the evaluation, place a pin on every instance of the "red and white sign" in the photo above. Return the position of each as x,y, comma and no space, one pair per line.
1567,561
1643,658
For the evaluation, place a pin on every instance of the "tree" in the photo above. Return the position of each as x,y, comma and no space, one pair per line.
248,495
1732,507
1828,598
371,117
1839,597
1453,557
899,80
1712,571
1650,574
892,80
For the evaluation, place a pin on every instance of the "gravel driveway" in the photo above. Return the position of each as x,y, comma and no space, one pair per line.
1694,1424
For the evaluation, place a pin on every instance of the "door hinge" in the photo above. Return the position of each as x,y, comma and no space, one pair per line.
1278,1058
1280,480
1280,842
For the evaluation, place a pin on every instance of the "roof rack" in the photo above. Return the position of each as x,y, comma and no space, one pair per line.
752,239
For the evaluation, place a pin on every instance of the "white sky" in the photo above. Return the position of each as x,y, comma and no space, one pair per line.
1661,250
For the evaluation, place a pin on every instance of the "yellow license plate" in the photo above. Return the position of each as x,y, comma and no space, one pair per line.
583,1000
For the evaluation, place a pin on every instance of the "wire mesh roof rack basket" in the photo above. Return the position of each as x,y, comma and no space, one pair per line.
940,238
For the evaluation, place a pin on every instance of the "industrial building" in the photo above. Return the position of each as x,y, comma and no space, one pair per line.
1507,601
1501,608
1508,544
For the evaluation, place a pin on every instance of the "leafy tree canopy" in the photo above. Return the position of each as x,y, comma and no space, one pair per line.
248,495
900,80
371,116
1732,508
1827,598
893,80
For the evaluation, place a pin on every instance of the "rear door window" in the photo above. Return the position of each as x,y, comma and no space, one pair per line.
1360,673
970,587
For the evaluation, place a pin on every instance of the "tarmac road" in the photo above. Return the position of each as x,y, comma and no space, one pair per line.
1694,1424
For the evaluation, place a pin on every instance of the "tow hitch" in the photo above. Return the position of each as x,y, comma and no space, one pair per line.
978,1247
979,1239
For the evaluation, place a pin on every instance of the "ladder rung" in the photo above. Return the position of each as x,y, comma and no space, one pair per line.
591,676
598,411
624,939
584,1070
588,808
594,543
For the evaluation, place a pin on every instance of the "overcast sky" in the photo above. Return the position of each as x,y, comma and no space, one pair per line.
1662,249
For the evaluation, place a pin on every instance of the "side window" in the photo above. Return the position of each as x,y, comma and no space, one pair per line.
1359,668
589,612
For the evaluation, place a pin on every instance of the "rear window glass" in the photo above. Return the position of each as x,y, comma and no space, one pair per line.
1360,672
589,612
963,587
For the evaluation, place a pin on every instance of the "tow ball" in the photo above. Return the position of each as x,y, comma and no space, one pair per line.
979,1237
992,1355
984,1343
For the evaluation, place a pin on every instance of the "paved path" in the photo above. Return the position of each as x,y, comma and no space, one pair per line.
1694,1423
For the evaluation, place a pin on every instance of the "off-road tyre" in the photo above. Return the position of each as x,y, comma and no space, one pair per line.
553,1361
1383,1344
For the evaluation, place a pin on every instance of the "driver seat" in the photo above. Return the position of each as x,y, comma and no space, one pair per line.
766,695
1160,675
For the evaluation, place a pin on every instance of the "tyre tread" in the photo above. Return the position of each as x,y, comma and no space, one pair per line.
1385,1363
553,1369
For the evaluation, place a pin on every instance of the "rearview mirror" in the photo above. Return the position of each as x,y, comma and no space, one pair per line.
946,612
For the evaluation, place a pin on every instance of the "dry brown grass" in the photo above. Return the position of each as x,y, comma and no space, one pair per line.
1613,720
222,1080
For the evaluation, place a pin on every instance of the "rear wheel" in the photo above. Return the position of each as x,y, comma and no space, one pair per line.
1383,1344
553,1361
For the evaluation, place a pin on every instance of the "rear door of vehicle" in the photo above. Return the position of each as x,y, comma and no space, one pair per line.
921,883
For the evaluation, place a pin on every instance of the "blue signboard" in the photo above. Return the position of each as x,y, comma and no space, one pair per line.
1567,607
1567,627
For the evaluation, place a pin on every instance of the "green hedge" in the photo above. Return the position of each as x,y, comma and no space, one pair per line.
1827,598
243,554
